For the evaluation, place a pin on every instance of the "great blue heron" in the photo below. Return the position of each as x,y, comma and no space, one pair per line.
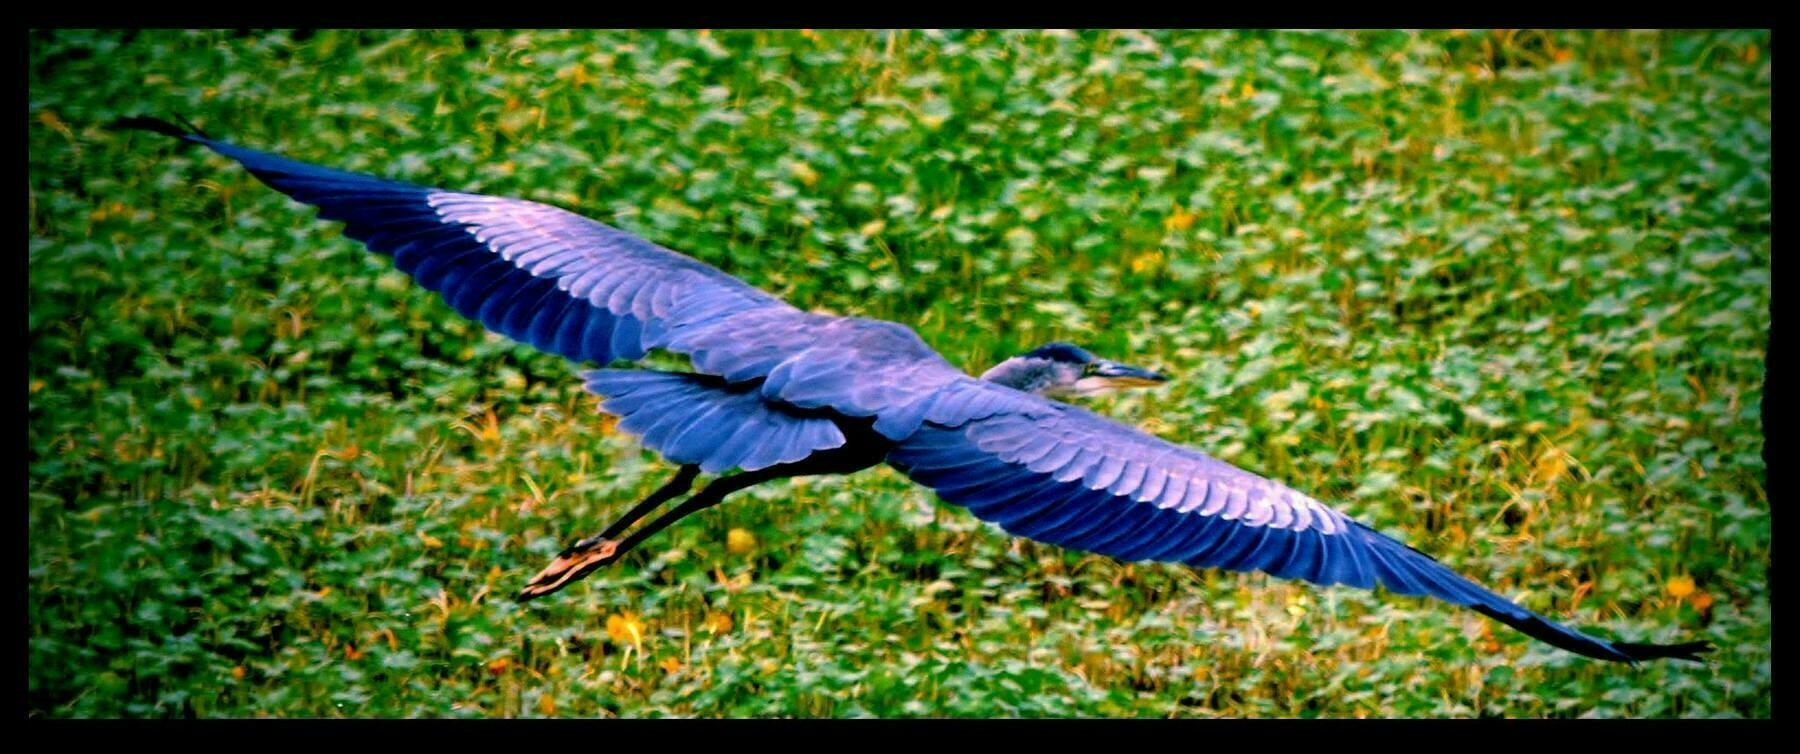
777,392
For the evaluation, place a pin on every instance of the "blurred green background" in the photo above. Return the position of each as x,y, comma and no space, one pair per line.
1501,294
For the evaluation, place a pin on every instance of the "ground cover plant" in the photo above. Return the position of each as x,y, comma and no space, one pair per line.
1501,294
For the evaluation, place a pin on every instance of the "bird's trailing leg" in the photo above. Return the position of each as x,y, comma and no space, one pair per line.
601,548
586,556
676,487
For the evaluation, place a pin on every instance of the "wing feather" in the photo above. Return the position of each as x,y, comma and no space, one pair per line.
1077,467
1073,512
1104,474
535,297
1124,520
1130,535
1155,478
714,425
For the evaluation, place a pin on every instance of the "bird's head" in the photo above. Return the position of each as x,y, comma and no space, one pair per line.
1061,370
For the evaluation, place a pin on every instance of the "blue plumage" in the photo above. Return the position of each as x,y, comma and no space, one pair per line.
713,412
779,392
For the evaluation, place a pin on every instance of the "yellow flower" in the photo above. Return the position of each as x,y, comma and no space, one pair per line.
1179,219
625,627
739,542
804,172
1680,586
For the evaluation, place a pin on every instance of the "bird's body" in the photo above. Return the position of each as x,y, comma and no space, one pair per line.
778,392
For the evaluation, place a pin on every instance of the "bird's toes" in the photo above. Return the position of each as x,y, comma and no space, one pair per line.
569,566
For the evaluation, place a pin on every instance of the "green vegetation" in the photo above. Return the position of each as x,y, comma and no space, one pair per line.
1504,295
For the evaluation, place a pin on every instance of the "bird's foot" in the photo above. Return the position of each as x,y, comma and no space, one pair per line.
569,566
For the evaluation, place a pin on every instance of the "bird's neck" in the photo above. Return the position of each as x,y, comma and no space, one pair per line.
1020,373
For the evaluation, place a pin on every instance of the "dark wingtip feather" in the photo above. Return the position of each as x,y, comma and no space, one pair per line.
1550,632
1689,651
184,132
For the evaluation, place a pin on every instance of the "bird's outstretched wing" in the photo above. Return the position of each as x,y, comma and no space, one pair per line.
587,291
1059,474
535,273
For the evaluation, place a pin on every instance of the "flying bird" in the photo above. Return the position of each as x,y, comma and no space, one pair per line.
779,392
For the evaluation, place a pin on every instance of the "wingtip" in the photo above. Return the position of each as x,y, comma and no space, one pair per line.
1689,651
186,131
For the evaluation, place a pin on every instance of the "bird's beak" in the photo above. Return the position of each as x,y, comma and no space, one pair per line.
570,566
1118,375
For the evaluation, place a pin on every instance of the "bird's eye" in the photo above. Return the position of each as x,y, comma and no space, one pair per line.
1089,368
